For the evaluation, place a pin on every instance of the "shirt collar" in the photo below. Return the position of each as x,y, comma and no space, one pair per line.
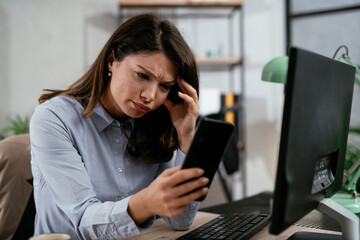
101,119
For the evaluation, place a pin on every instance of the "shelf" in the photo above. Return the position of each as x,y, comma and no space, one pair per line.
161,3
218,61
218,64
214,8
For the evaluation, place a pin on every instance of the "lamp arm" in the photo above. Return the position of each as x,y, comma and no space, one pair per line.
346,58
352,179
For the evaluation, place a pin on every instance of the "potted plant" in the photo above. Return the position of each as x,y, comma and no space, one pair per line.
18,125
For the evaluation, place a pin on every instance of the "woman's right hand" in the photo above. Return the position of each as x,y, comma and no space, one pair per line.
168,195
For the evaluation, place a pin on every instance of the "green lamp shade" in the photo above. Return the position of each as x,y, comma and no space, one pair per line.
276,70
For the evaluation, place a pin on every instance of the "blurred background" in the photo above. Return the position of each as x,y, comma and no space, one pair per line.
51,43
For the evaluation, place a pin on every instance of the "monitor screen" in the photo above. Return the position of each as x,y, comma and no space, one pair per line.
318,97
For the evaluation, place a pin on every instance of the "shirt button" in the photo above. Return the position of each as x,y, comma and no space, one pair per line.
120,170
128,229
117,140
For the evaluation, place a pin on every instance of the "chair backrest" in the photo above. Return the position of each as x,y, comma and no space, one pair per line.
16,188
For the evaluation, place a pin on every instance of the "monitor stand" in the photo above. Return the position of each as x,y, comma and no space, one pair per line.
348,221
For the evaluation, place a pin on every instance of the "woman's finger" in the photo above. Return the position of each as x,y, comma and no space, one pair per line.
190,197
185,175
188,99
188,89
170,171
189,187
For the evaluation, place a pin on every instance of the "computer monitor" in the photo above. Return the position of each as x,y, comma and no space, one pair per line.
316,116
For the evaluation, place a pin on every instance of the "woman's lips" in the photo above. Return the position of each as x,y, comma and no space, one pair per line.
140,107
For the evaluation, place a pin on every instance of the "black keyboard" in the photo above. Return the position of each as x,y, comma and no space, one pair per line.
230,226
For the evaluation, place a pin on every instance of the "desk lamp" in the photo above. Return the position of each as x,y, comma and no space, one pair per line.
276,71
349,197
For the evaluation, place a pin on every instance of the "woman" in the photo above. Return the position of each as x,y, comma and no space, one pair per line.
106,151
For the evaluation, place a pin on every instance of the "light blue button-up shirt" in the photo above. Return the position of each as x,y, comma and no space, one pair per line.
84,178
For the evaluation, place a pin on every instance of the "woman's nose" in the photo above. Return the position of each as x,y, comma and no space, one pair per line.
149,93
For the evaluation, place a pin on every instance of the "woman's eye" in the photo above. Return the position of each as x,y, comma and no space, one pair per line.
142,75
165,87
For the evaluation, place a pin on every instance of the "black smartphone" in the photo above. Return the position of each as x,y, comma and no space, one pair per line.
207,149
173,94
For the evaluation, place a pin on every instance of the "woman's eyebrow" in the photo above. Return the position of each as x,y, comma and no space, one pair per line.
148,72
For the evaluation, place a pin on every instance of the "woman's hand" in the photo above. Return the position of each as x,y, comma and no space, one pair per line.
184,114
168,195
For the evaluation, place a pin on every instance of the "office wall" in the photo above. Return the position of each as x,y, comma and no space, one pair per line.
49,44
43,45
264,40
325,33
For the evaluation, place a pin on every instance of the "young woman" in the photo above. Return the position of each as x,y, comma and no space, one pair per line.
106,151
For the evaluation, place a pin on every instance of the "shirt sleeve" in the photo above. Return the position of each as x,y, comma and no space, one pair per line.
55,154
185,219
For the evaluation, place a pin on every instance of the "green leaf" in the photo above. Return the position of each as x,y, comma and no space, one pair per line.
18,125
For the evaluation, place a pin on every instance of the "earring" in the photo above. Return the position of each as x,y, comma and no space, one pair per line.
109,74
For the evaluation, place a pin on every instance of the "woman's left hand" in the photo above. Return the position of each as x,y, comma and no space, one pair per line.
184,114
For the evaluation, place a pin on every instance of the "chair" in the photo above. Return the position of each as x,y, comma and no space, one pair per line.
17,208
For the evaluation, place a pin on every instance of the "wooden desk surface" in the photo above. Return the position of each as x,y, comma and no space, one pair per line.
264,234
160,230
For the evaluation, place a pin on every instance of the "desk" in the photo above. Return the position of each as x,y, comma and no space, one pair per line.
161,230
258,203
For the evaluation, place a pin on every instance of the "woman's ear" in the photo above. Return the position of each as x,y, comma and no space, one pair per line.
110,60
110,64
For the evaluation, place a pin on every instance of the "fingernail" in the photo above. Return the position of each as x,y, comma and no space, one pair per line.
205,180
201,171
205,189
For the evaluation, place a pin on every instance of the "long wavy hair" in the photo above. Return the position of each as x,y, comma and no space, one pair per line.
154,137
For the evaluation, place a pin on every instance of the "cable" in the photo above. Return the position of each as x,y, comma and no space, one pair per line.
337,50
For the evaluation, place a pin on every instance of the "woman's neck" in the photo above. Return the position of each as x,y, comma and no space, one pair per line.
111,108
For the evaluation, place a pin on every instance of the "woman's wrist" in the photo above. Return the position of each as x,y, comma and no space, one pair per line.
138,209
184,143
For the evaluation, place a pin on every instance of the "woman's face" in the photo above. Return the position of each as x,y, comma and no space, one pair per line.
139,84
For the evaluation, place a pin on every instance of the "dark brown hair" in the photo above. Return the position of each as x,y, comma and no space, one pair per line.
154,137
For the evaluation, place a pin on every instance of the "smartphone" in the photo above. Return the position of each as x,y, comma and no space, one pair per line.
208,146
173,94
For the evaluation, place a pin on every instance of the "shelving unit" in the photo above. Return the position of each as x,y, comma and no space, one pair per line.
214,9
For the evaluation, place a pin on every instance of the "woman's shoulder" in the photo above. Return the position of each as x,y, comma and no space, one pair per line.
61,106
59,101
